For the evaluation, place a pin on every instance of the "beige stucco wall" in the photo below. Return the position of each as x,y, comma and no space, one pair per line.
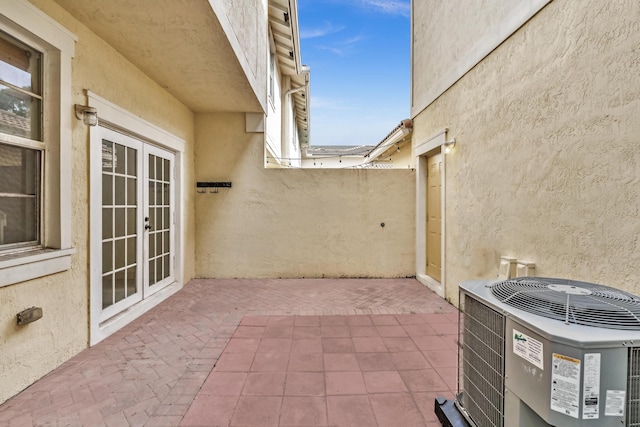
547,164
249,21
296,223
403,158
29,352
445,32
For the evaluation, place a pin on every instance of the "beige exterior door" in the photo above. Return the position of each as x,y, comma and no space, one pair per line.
434,216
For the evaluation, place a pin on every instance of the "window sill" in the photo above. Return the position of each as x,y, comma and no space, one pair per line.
20,267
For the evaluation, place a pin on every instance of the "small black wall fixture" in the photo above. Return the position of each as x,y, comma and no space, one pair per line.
29,315
202,186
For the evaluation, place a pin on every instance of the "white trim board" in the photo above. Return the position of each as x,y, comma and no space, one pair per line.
525,10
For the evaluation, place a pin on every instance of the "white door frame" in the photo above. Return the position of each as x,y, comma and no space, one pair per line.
433,144
117,119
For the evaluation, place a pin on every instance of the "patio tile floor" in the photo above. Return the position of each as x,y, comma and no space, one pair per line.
313,352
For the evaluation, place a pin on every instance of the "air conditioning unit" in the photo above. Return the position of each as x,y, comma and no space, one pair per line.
548,352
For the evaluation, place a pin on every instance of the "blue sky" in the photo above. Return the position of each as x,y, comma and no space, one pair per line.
359,54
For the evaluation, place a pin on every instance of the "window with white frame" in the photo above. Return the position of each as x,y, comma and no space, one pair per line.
21,155
35,143
272,76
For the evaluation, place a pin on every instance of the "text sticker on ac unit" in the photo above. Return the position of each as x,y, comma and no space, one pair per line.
591,387
530,349
614,405
565,385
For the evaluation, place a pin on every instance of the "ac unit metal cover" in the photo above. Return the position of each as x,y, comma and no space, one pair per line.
571,301
570,319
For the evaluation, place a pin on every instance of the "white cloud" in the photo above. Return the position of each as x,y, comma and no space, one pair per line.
319,103
391,7
342,47
326,29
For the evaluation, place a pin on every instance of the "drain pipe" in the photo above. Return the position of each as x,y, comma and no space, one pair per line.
288,107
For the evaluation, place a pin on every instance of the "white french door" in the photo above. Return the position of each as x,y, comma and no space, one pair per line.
133,237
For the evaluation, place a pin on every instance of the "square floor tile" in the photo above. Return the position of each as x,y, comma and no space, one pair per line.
419,330
305,384
337,345
335,331
369,344
450,376
344,383
238,362
280,321
375,362
359,320
333,320
363,331
409,360
442,358
350,411
306,321
210,411
341,362
446,329
300,332
308,362
313,345
275,345
430,342
254,321
224,384
383,382
384,319
242,345
249,331
409,319
425,403
303,411
395,344
257,411
270,362
424,380
264,384
435,319
396,409
278,332
391,331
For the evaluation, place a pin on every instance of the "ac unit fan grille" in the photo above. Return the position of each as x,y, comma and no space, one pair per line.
483,364
633,388
571,301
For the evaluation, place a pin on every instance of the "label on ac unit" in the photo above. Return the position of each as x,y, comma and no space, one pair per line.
614,405
530,349
565,385
591,387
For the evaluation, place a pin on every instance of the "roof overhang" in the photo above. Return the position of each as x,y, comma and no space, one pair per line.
398,136
188,48
283,21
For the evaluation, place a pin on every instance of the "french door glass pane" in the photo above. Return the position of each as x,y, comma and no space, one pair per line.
159,218
19,195
119,230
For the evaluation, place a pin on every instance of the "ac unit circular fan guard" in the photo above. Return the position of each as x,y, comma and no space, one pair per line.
571,301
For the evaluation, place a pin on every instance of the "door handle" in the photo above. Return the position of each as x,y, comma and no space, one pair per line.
147,226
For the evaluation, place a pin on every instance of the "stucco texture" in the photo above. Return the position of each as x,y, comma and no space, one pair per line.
547,166
31,351
443,34
296,223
